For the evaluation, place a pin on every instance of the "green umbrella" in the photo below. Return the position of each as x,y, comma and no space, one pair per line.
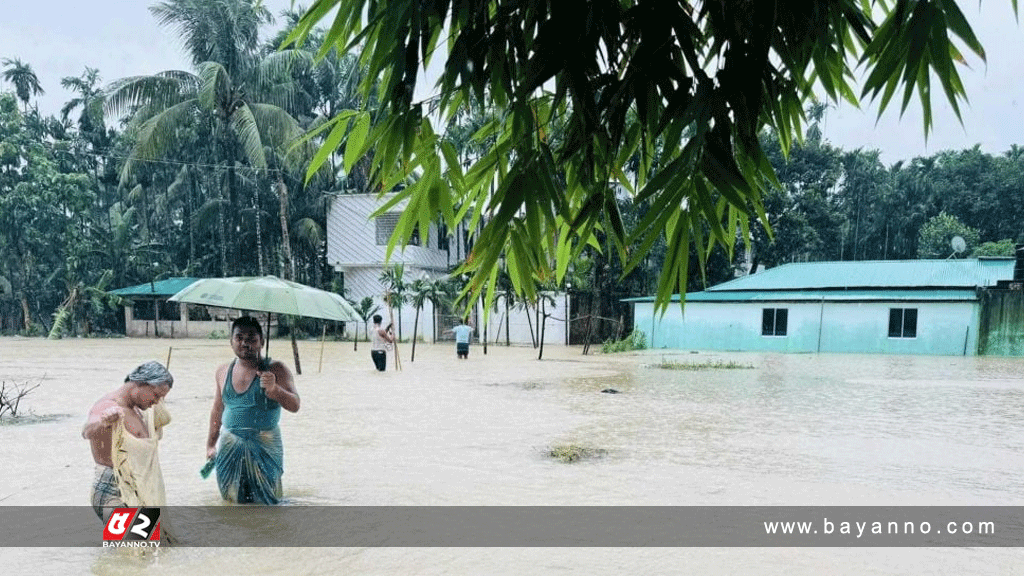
268,294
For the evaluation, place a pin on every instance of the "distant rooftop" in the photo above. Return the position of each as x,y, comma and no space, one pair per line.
167,287
921,274
862,280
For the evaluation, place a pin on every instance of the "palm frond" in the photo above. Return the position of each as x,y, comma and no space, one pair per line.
277,127
246,128
159,136
215,87
206,215
309,231
127,95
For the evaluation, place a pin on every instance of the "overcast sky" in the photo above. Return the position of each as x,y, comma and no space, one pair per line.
121,38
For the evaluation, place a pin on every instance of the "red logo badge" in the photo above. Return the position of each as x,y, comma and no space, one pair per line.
133,524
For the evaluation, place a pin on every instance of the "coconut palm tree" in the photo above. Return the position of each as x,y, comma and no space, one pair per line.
237,97
365,309
423,291
91,128
26,83
393,280
89,99
225,31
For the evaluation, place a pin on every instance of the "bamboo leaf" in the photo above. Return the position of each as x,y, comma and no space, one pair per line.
331,144
355,146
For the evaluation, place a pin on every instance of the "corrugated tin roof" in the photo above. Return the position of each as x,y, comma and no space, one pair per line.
877,275
168,287
827,295
867,280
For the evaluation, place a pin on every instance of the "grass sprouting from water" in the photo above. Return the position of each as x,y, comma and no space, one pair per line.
636,340
569,453
708,365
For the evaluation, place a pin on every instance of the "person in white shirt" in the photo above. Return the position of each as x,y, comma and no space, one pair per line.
381,339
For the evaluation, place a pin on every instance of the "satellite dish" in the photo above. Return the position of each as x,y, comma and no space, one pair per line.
958,243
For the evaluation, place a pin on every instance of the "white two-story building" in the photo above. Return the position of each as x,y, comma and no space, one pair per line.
357,246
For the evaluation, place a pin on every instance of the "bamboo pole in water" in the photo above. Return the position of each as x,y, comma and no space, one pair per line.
323,336
391,316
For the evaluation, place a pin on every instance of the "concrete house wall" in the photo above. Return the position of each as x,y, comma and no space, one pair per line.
357,247
943,328
964,307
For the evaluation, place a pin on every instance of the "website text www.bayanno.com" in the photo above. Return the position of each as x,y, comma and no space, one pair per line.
860,528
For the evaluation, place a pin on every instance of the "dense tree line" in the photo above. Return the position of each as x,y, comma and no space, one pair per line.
588,90
206,172
182,173
836,204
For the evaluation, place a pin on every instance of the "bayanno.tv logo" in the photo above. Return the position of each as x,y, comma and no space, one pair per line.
132,528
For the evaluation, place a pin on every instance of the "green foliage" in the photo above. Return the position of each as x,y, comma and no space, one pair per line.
937,234
569,453
365,308
804,211
33,331
45,202
26,83
579,88
636,340
708,365
61,322
1006,247
680,111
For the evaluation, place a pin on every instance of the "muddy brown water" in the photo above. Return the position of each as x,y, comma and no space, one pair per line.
802,430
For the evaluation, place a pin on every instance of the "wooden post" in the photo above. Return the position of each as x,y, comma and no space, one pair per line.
323,336
391,316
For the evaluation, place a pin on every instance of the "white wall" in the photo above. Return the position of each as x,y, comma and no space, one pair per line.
362,282
352,249
352,237
521,322
183,328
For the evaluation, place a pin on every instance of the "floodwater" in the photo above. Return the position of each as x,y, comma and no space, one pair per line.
802,430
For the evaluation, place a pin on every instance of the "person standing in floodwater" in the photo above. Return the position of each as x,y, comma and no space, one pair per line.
244,439
463,333
124,430
380,341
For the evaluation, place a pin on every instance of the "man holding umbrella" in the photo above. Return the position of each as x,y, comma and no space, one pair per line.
244,440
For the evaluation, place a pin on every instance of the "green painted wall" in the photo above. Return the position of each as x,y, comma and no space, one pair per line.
943,328
1001,325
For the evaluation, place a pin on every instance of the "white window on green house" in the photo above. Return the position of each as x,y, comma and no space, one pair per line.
774,321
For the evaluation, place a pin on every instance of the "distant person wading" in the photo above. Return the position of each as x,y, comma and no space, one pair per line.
381,339
463,334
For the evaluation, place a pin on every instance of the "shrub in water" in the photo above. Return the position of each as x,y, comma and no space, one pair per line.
636,340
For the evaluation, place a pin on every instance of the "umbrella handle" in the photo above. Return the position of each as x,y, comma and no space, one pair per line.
267,351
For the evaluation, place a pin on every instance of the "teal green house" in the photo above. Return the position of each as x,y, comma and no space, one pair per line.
940,307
